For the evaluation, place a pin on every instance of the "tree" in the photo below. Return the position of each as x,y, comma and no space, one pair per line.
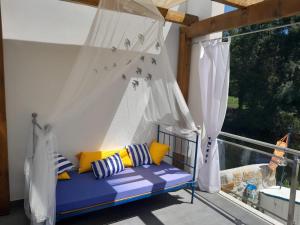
265,76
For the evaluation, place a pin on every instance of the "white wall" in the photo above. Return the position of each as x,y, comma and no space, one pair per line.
51,21
34,75
35,70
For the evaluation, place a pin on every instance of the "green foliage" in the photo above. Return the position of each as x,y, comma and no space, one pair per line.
286,183
233,102
265,77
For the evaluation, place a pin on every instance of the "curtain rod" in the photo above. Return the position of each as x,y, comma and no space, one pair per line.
250,32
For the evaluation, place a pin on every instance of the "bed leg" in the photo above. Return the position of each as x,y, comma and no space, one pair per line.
193,193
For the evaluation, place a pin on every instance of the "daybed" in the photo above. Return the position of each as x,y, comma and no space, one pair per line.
83,193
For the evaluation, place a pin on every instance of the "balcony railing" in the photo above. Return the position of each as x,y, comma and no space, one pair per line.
291,157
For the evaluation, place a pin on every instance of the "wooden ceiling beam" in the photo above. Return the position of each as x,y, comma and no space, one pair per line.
178,17
169,15
254,14
241,4
229,3
167,3
184,63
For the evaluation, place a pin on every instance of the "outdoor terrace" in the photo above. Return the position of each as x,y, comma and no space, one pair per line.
175,208
167,209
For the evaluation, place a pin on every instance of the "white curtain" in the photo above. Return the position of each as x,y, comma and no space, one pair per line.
40,178
213,73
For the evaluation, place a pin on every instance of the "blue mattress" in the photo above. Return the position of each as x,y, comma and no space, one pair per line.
83,190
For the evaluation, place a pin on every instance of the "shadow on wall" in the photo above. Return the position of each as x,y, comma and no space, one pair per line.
34,75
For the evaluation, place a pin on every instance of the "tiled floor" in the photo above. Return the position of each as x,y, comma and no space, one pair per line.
169,209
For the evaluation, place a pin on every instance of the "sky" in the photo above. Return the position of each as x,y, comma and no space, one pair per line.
229,8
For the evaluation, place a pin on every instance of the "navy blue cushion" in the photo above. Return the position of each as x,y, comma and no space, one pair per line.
108,167
139,154
84,191
62,164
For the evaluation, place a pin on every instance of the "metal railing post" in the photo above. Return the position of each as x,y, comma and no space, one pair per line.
261,143
293,191
195,168
158,132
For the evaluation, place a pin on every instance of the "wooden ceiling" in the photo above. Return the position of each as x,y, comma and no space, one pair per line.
239,3
171,3
159,3
167,3
169,15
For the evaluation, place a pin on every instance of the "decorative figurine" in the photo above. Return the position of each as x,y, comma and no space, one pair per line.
141,38
153,61
139,70
149,77
127,43
135,83
157,46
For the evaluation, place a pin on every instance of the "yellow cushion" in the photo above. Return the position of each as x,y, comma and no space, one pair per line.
85,160
78,155
64,176
123,154
158,152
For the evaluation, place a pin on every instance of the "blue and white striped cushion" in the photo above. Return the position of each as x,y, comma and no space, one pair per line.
62,164
108,167
139,154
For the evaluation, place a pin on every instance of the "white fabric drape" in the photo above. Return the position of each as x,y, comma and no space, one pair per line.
40,178
213,73
119,89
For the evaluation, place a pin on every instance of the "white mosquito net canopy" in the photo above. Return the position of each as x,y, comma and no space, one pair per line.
120,88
